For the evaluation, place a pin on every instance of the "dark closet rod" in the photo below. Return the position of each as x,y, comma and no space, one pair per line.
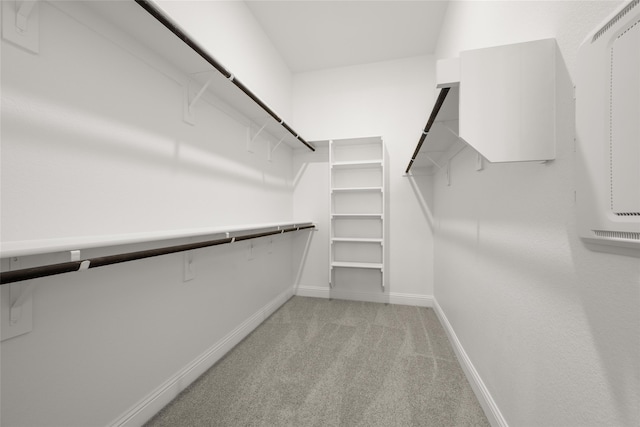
156,13
434,113
67,267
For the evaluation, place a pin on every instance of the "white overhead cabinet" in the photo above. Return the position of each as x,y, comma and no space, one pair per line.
502,101
357,209
508,101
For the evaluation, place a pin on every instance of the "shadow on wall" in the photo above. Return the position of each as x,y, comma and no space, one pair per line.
301,245
610,294
564,321
422,186
207,150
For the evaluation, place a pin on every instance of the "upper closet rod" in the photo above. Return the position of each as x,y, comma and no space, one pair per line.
156,13
67,267
434,113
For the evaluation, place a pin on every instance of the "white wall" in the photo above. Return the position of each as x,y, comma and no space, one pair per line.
388,99
552,328
93,143
311,200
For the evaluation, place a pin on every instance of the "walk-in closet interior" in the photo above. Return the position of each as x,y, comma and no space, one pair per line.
291,213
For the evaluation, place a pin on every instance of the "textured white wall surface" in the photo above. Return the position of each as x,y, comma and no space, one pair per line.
388,99
94,143
552,328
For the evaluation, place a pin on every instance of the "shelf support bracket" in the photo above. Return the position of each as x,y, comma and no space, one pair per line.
250,138
20,23
273,150
479,162
433,161
17,299
189,103
199,94
22,15
25,292
454,133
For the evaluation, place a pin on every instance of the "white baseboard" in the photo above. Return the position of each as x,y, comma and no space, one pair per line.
489,406
390,297
411,299
160,397
312,291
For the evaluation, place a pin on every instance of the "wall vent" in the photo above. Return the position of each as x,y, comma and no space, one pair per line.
626,235
608,133
624,149
615,19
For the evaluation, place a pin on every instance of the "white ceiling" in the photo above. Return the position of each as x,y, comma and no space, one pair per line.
312,35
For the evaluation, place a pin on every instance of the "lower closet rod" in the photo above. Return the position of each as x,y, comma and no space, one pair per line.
67,267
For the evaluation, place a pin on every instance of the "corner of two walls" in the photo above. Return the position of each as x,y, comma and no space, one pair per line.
392,100
389,99
549,328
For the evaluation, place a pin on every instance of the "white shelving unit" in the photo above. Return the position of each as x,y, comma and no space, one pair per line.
357,211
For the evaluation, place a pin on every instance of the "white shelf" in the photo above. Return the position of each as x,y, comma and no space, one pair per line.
358,215
63,244
356,240
346,264
360,164
356,189
357,182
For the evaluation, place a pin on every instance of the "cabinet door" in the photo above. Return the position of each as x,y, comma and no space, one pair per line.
508,101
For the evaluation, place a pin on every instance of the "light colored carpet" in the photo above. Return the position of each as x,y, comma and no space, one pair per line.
319,362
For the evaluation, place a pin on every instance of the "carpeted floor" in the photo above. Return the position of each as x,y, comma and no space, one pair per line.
318,362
